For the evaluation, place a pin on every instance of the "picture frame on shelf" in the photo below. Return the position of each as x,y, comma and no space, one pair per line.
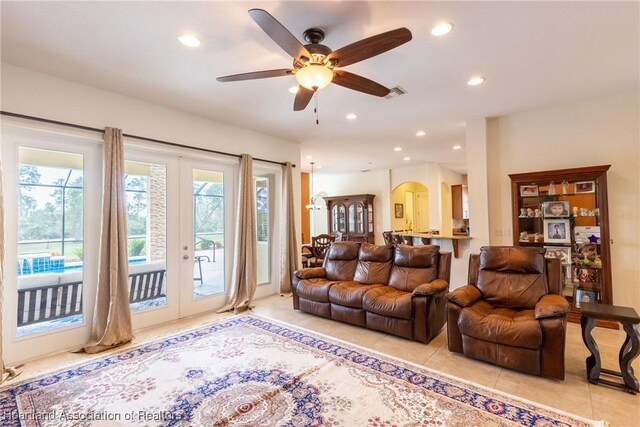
555,209
563,253
399,210
557,231
528,190
581,187
584,295
585,275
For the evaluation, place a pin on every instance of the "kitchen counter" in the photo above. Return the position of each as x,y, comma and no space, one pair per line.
426,239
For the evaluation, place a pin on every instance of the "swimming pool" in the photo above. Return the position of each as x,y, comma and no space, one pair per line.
46,263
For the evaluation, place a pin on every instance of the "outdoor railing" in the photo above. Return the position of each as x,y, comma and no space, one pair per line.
55,301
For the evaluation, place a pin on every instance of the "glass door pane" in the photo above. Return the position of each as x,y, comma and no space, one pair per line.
50,243
262,229
208,233
146,193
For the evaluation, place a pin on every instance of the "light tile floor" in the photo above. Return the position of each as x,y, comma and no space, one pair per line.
574,394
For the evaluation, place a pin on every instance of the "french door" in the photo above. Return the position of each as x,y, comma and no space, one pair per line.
206,206
179,213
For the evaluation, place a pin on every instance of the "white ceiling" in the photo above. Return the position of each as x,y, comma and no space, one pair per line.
533,54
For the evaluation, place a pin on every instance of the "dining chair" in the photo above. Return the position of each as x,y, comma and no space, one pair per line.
319,246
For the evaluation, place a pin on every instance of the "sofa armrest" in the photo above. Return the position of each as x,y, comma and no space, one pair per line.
310,273
465,296
426,289
551,305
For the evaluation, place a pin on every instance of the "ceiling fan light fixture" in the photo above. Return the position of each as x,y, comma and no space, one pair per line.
314,76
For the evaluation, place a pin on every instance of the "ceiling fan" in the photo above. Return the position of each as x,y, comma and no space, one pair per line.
315,65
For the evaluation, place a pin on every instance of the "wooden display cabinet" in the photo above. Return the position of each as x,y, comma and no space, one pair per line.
352,216
566,212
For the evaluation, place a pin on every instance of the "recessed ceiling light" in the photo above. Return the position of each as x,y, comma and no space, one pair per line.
352,116
189,40
407,158
475,81
293,89
309,157
457,147
421,133
397,149
441,29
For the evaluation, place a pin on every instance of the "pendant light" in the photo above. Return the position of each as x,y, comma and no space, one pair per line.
312,200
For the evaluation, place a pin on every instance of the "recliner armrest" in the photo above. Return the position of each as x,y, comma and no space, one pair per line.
310,273
551,305
465,295
431,288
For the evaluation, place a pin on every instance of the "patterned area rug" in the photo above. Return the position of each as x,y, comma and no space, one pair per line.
250,371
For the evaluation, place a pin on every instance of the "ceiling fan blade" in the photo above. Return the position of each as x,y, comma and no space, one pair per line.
359,83
256,75
369,47
303,96
279,33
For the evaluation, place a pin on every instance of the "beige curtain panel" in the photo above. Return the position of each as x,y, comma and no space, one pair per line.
112,315
243,275
7,373
289,248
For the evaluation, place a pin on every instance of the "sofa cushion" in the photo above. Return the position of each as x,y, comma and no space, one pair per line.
349,294
341,260
516,328
414,265
388,301
512,277
374,264
314,289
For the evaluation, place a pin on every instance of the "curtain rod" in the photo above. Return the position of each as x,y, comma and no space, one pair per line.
142,138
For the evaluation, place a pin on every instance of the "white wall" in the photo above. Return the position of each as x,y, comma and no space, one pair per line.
477,177
592,132
28,92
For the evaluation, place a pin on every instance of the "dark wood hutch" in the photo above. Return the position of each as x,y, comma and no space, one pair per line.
352,216
579,233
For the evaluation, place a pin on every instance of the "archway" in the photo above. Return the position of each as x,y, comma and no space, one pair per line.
410,207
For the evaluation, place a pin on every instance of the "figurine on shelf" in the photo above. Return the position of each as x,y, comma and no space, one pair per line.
523,213
596,212
565,187
529,212
524,236
537,213
597,263
584,212
575,210
552,189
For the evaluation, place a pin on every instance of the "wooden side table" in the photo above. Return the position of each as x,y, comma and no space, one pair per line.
630,348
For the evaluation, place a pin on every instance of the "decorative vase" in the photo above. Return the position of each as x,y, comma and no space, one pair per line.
565,187
552,189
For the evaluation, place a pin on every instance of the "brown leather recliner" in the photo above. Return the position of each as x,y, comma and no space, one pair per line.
511,313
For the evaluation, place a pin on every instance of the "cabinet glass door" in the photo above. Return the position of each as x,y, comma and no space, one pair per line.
338,214
356,220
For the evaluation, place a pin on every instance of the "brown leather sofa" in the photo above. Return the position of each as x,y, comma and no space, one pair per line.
396,289
511,313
